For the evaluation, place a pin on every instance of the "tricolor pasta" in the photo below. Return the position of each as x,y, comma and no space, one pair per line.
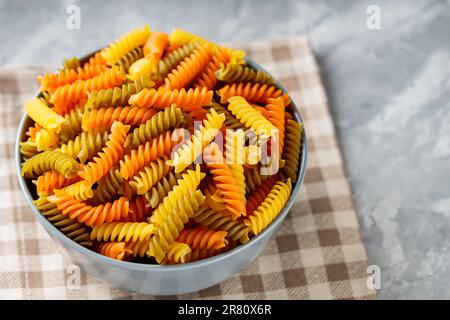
157,148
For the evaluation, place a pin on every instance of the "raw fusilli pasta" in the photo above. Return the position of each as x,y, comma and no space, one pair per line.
162,98
43,115
90,215
177,252
113,249
50,160
189,68
270,208
100,119
158,148
165,65
127,42
245,113
236,230
150,151
160,122
122,231
203,135
110,155
292,147
225,181
253,92
237,73
118,96
203,238
85,145
72,229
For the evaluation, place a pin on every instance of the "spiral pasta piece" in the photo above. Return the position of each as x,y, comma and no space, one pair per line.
125,190
72,229
179,37
158,123
67,76
138,209
155,195
89,215
203,238
198,115
114,250
122,231
198,254
262,110
129,58
186,155
85,145
215,201
43,115
70,93
234,156
189,181
270,208
177,252
96,59
155,45
253,92
208,78
257,197
71,63
164,66
236,73
292,149
81,190
118,96
48,161
130,40
150,175
253,178
108,187
212,219
139,248
230,121
45,98
163,98
28,149
176,210
51,180
189,68
245,113
275,114
46,140
72,126
145,153
110,155
101,119
224,181
33,130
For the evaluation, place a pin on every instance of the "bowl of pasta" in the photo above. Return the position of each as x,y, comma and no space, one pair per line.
162,163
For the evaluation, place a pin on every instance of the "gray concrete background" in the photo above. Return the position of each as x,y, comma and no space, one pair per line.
388,89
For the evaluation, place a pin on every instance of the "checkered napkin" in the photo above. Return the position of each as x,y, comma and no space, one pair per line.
316,254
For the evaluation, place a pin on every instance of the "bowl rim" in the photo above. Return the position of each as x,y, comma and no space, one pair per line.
50,228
